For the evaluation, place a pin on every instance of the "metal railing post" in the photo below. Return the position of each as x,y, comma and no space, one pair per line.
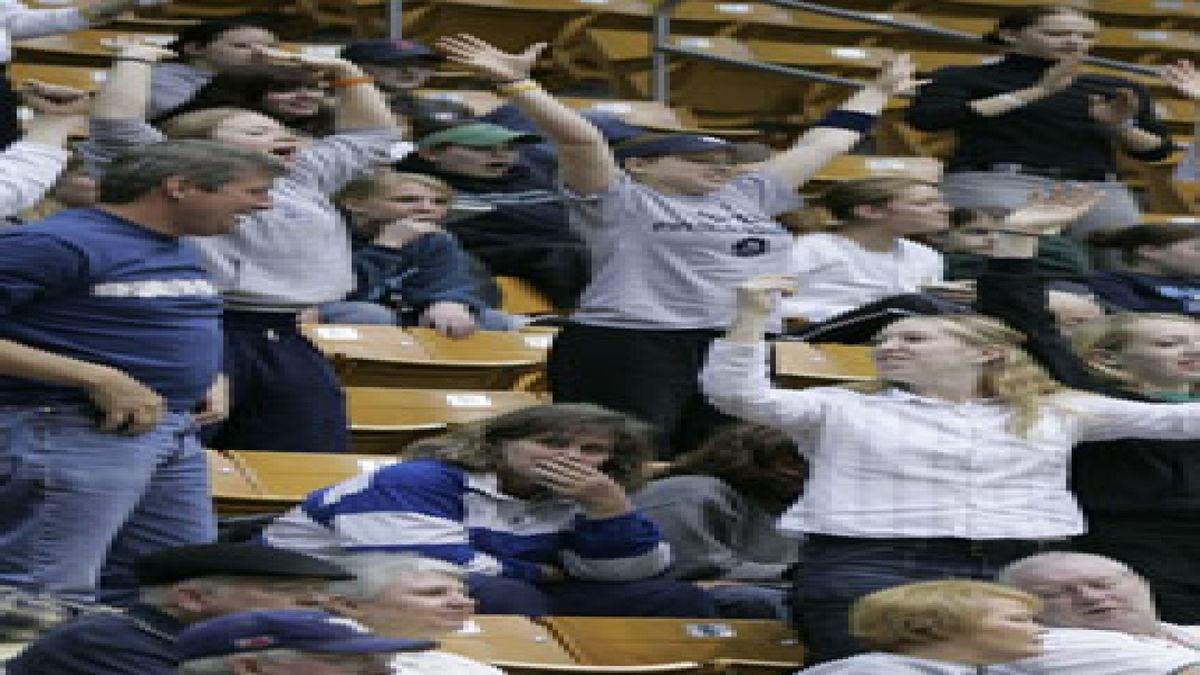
395,19
660,86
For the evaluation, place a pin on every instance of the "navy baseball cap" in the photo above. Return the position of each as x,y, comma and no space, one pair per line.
388,52
657,145
299,629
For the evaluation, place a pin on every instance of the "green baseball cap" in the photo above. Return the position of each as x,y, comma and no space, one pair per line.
478,134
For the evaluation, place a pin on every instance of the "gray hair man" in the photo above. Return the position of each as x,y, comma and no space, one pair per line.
1102,620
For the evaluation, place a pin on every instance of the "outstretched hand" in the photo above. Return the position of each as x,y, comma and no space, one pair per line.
1049,212
483,58
1115,110
137,47
326,64
1184,77
897,75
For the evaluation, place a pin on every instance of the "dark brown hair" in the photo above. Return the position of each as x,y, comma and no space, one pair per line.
748,457
1024,17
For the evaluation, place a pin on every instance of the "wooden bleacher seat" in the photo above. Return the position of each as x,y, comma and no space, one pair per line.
383,420
387,356
80,77
851,167
803,364
85,48
637,640
256,481
1172,218
518,296
496,637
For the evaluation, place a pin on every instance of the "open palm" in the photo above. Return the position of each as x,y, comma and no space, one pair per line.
1049,212
486,59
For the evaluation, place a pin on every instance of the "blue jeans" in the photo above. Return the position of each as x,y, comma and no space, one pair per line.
363,312
77,506
837,571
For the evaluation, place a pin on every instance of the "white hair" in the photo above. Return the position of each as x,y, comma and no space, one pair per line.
374,572
1017,571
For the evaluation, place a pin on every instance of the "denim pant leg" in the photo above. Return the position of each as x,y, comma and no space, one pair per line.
643,597
834,575
358,312
66,490
175,510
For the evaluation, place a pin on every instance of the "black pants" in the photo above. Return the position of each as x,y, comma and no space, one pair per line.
285,396
10,128
650,374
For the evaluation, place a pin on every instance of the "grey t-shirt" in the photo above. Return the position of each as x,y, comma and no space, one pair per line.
671,262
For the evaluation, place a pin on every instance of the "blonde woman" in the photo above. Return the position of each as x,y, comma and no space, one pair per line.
952,464
940,627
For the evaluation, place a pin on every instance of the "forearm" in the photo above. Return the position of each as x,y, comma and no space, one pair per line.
835,135
1133,139
748,326
558,122
23,361
126,91
360,104
1000,104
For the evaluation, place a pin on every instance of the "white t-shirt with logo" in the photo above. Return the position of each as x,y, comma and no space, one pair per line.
671,262
837,275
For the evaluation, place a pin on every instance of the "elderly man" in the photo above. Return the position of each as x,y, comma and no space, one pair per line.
1102,618
110,346
292,642
180,587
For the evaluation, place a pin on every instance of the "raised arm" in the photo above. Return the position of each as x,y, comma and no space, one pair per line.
360,105
1184,77
126,91
585,162
837,133
1012,290
29,168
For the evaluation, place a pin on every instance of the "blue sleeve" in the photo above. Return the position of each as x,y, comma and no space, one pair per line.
442,273
623,548
34,266
416,507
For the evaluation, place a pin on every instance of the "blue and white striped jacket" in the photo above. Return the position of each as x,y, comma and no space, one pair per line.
442,511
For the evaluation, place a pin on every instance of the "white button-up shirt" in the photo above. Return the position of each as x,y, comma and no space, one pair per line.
893,464
18,21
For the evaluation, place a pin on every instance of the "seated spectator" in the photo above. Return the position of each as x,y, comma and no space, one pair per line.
297,642
285,394
717,507
519,227
1159,268
179,587
204,49
1102,618
399,67
412,597
30,168
867,266
940,628
532,503
293,96
971,236
410,272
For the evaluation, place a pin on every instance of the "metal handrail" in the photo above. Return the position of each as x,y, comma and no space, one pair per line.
662,47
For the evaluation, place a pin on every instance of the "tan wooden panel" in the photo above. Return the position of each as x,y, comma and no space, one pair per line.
802,364
497,637
630,640
384,420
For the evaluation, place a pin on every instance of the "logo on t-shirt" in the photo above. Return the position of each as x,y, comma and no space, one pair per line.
750,247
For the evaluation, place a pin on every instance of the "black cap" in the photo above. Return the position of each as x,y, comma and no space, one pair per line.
240,560
386,52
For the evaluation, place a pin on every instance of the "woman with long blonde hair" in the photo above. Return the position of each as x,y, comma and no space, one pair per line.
951,465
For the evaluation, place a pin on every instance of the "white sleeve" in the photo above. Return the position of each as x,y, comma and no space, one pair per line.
331,162
734,380
1102,418
27,172
23,22
1076,651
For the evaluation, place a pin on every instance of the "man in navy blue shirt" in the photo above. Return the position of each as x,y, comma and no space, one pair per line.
109,352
